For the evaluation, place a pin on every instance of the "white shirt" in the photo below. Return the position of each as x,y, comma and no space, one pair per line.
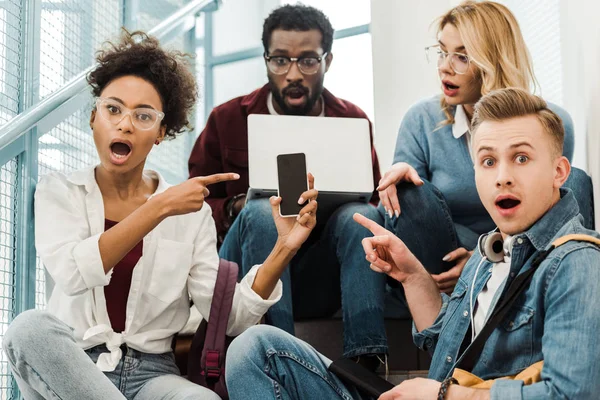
272,110
179,257
462,125
487,297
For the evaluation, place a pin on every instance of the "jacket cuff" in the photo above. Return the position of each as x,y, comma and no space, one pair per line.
427,338
506,389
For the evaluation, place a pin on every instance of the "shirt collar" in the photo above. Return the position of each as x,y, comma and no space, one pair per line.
543,232
87,177
462,124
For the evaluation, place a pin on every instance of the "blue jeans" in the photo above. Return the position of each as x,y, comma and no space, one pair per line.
430,233
47,363
329,271
265,362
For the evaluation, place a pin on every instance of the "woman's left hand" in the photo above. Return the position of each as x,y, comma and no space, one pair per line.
447,280
293,232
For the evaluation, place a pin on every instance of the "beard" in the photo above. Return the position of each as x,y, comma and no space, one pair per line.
279,97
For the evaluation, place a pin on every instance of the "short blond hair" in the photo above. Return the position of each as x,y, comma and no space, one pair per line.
493,40
502,104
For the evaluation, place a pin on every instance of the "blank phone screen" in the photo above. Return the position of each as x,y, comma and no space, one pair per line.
291,173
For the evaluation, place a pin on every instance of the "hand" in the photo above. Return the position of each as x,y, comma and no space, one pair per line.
238,205
386,252
189,196
387,186
293,232
447,280
413,389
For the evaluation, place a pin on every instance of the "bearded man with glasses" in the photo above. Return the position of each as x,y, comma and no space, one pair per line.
329,271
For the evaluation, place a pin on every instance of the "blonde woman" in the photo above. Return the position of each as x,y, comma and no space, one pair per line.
429,195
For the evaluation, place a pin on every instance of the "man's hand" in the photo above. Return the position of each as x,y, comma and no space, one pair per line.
387,186
239,203
189,196
413,389
293,232
447,280
386,252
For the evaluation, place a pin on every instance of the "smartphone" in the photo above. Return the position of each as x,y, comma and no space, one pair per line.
291,174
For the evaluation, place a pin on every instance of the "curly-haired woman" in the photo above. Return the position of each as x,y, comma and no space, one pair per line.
124,248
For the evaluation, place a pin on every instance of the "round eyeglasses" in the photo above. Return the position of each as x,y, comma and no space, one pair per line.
280,65
142,118
459,62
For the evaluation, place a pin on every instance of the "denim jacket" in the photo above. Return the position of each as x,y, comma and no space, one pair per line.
556,319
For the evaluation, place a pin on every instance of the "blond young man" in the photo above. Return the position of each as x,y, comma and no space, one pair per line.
519,172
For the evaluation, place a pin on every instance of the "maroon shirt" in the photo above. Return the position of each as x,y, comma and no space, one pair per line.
117,291
223,147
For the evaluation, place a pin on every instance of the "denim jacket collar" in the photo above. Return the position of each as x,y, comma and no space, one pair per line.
546,228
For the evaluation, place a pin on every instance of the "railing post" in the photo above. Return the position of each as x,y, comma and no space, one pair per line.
27,166
208,62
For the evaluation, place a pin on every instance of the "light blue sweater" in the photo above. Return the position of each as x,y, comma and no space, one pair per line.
445,161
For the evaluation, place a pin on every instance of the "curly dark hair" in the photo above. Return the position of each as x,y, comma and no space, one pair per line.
298,18
168,71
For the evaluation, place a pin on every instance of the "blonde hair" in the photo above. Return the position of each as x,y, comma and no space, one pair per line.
502,104
493,41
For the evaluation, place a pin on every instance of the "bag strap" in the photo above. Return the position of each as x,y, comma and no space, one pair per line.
518,286
213,353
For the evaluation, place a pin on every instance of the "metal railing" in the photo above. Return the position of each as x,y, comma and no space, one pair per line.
64,101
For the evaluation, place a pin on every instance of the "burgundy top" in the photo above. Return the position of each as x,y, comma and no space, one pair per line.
223,147
117,291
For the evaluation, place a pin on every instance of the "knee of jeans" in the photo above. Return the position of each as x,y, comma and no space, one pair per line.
343,216
256,210
192,393
29,330
411,196
251,346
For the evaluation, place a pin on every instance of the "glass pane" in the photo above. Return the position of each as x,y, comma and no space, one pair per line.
237,25
350,75
70,34
10,59
237,79
8,203
540,23
342,13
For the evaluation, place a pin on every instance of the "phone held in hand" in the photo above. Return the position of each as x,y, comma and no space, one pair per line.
291,174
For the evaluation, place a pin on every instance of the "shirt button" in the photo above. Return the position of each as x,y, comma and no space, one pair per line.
511,324
520,241
465,313
449,359
512,274
490,270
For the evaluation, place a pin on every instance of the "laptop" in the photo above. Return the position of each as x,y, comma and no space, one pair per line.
337,150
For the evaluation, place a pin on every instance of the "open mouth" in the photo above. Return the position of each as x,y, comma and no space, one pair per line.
507,204
449,86
295,93
120,150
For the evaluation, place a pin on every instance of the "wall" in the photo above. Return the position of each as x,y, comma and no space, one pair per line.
400,31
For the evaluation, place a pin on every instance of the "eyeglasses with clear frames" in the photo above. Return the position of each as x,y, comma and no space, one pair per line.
280,65
114,112
459,62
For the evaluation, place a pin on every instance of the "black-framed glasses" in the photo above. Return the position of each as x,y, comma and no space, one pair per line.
459,62
142,118
280,65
